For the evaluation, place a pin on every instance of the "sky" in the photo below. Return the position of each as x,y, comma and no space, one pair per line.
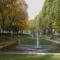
34,7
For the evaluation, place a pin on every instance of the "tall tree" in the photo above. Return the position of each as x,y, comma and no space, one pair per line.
12,13
45,17
49,16
55,12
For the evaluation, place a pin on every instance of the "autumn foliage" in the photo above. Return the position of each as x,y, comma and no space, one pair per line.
13,14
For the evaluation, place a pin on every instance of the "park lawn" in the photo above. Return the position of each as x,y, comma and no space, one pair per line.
33,42
29,57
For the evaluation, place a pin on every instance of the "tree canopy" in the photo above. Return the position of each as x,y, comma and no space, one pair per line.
49,17
12,14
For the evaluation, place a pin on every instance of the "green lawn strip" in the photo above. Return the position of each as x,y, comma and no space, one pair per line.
45,42
29,41
33,41
28,57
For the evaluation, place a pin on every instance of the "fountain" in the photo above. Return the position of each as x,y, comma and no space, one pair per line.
37,47
37,42
37,35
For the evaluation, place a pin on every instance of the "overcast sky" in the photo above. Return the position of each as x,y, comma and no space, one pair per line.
34,7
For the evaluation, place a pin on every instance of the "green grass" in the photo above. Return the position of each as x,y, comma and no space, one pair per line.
28,41
33,42
45,42
29,57
25,41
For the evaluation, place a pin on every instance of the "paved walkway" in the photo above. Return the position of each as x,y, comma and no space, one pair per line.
56,41
7,43
30,53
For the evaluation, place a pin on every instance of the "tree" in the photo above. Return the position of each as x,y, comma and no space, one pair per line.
12,13
45,18
49,16
55,12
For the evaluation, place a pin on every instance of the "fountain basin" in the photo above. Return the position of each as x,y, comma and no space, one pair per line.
41,48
